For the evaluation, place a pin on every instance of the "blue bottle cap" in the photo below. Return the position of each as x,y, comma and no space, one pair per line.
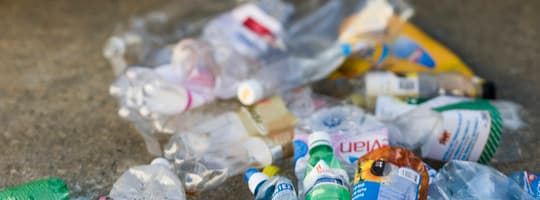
300,149
249,173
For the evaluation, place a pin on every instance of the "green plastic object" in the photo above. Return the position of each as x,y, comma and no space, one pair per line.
326,186
44,189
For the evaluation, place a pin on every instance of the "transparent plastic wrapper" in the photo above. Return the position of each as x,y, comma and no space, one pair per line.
228,144
154,181
469,180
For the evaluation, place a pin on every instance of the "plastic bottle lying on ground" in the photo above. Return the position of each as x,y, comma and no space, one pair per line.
387,108
390,173
325,178
154,181
470,130
50,189
274,188
469,180
226,145
529,182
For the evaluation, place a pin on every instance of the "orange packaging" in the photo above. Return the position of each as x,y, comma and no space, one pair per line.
389,173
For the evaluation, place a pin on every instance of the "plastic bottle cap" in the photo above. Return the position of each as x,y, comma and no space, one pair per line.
161,161
253,177
249,92
300,149
271,170
489,90
319,138
113,90
123,112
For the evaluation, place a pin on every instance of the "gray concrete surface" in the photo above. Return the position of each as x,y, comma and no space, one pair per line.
56,118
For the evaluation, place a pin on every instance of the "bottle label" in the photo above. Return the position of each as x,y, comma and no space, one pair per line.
529,182
321,173
283,191
349,146
259,30
391,84
464,135
395,183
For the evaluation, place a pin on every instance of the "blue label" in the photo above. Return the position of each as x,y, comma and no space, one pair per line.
366,190
284,186
405,48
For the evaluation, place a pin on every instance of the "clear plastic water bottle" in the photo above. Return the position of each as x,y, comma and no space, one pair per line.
274,188
154,181
226,145
300,164
470,130
469,180
325,178
426,85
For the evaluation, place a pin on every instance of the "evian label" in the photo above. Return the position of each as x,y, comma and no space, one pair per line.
348,147
464,135
322,173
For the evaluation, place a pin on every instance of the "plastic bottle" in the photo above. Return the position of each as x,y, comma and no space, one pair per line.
228,144
426,85
264,188
353,133
528,181
49,188
388,108
300,164
469,180
325,178
390,173
461,131
154,181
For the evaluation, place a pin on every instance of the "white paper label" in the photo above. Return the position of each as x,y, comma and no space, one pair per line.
465,133
389,84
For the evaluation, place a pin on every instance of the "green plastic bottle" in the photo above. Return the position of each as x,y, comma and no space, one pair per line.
325,178
44,189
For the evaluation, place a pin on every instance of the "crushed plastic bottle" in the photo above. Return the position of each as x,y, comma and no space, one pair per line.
390,173
353,133
228,144
154,181
300,164
325,178
388,107
50,189
264,188
469,180
471,130
313,52
528,181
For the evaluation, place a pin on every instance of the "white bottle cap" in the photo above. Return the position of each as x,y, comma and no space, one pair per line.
318,138
161,161
249,92
256,179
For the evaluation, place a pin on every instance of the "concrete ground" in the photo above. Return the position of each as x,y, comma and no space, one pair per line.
57,119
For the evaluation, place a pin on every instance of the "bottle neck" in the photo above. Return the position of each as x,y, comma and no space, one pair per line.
320,148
